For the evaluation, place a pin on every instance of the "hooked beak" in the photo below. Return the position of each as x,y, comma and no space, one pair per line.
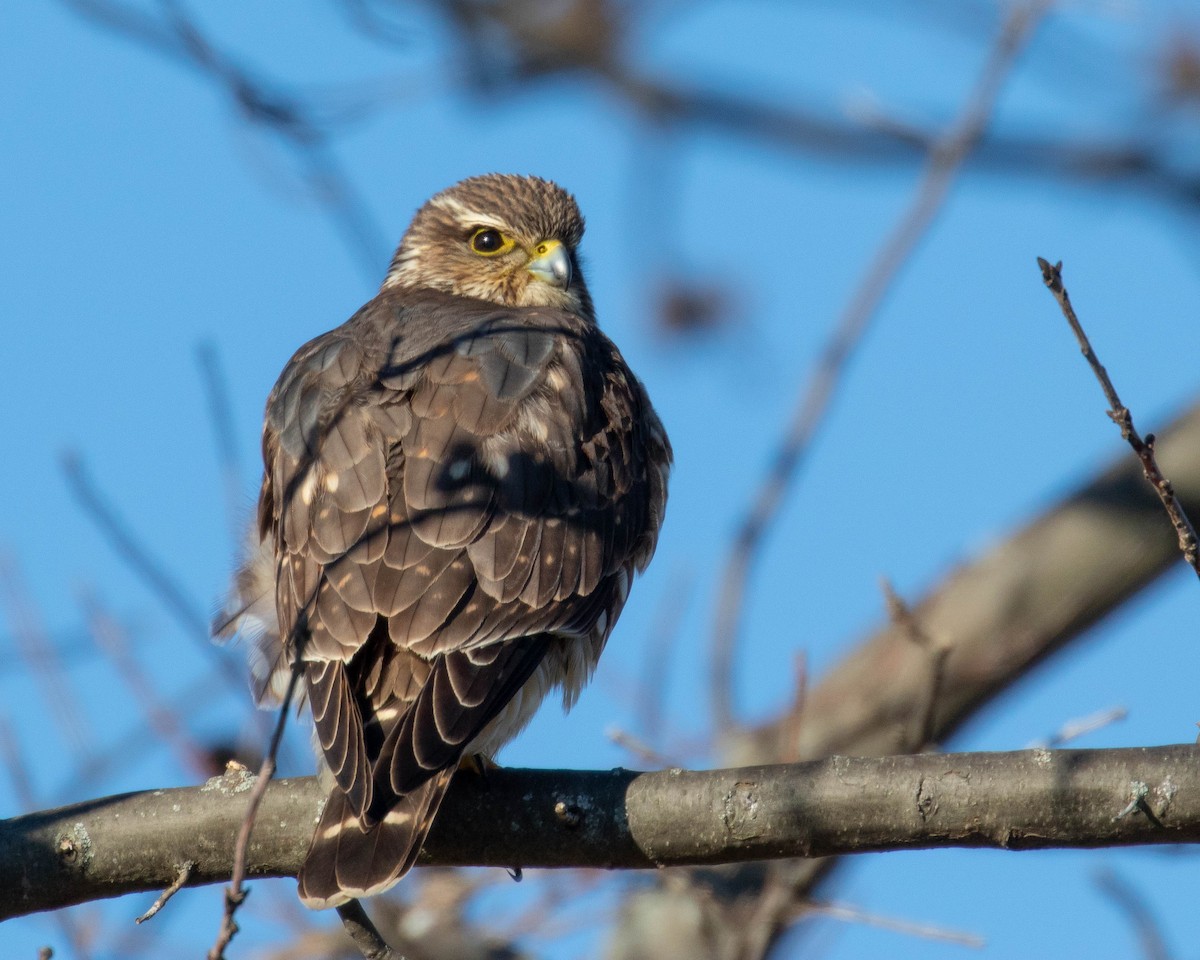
551,263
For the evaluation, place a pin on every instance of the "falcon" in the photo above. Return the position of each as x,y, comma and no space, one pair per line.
460,483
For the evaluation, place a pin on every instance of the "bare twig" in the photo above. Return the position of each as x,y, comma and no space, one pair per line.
185,872
150,569
43,658
1073,729
638,747
235,895
363,932
773,907
945,159
664,630
190,701
792,719
1120,415
852,914
220,414
165,721
293,120
1135,908
14,764
901,614
1007,610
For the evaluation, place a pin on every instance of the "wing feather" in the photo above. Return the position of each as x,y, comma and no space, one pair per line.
454,491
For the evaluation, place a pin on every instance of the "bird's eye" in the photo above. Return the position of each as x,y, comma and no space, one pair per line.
489,241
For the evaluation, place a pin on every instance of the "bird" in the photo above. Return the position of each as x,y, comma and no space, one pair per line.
460,483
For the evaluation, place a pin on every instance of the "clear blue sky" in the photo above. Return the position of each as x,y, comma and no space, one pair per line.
140,217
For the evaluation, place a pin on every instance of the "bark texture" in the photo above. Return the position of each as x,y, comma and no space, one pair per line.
623,819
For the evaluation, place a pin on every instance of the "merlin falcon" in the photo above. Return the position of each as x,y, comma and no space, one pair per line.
460,483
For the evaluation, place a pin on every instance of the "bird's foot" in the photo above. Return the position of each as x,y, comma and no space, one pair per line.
479,764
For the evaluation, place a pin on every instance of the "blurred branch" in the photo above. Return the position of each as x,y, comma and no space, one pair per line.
295,120
902,616
658,647
44,659
74,928
1136,162
120,536
364,933
851,914
150,569
945,158
523,42
1080,726
220,415
1134,906
163,720
1000,616
1120,415
620,819
1003,613
235,895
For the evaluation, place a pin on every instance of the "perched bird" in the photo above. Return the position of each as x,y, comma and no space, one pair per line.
460,483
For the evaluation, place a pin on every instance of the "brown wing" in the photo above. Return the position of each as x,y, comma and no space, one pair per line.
444,480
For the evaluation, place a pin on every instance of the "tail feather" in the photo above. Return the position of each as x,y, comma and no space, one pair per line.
346,861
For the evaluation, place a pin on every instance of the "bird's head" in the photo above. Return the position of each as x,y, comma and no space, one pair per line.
506,239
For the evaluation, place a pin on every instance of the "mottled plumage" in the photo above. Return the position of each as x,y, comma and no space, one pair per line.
460,483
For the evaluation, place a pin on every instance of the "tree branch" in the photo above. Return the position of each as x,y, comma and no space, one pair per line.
946,157
1001,614
1120,415
622,819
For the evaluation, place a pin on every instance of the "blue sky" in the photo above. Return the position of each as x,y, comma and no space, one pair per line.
142,218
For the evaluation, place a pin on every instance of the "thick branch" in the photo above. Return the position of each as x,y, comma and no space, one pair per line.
622,819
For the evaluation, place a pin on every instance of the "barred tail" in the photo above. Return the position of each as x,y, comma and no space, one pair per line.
346,861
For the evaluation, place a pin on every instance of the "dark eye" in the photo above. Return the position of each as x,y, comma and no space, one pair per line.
488,240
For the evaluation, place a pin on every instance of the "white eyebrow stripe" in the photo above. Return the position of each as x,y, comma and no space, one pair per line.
466,215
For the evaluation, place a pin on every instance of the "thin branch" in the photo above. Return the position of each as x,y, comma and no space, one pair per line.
267,106
792,719
185,871
910,626
235,895
15,766
659,645
852,914
165,721
44,659
152,571
1005,611
1023,800
364,933
121,537
636,747
1078,727
220,415
945,159
192,700
1120,415
1134,906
